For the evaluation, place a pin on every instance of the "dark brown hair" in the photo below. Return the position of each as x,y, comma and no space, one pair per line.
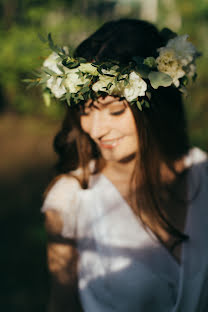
162,128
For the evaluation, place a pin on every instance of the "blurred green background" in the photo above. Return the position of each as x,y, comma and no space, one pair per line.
27,127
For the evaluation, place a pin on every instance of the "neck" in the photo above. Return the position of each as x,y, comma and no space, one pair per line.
120,170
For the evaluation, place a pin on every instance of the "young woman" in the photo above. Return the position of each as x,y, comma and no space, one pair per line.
127,214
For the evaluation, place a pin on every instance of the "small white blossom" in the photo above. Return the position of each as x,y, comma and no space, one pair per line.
184,50
104,80
168,63
51,62
73,80
88,68
54,84
110,71
102,83
136,87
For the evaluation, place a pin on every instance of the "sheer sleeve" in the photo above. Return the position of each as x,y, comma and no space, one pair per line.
63,197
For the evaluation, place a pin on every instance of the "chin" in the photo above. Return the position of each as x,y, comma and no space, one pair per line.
119,157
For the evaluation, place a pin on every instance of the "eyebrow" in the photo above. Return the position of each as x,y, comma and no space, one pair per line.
106,104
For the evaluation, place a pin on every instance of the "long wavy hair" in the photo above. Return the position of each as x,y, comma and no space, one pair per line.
162,129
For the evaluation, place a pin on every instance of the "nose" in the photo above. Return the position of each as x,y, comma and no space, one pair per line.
100,124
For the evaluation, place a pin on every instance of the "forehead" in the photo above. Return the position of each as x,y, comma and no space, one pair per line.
102,102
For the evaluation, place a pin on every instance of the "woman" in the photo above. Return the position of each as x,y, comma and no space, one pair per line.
126,217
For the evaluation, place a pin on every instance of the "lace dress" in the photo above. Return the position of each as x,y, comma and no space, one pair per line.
122,267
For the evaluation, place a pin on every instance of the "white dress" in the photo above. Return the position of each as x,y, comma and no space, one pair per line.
122,267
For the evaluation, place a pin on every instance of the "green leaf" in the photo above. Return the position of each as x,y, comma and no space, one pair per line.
194,77
158,79
28,80
85,89
150,62
125,71
183,90
43,39
60,68
80,74
44,79
132,102
109,75
148,94
71,64
184,80
143,70
138,60
126,82
47,98
49,71
146,104
33,84
52,46
62,81
68,98
139,105
109,86
86,84
82,60
80,97
36,73
94,64
100,71
115,67
50,41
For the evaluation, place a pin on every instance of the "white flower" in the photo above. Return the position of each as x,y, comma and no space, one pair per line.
54,84
51,62
102,83
88,68
136,87
168,63
105,80
184,50
73,80
112,72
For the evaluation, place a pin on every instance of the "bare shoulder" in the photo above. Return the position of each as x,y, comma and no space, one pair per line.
63,179
58,196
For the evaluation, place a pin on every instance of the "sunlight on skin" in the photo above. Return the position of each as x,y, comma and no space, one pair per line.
110,123
62,257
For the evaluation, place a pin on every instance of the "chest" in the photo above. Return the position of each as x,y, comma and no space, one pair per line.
176,213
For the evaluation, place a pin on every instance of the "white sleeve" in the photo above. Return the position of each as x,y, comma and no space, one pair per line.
63,197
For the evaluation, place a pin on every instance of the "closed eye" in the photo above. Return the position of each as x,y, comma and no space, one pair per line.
118,112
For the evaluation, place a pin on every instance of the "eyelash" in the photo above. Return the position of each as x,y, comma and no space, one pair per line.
114,114
118,112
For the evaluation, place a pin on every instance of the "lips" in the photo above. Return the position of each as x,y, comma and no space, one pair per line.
110,143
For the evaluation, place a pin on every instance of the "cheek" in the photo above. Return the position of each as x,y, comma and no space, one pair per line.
84,123
128,124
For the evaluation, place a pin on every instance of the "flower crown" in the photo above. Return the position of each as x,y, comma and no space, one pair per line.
74,79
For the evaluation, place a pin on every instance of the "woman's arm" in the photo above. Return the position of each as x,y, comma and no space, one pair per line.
62,264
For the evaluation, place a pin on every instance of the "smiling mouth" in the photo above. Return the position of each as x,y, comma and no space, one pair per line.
110,143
